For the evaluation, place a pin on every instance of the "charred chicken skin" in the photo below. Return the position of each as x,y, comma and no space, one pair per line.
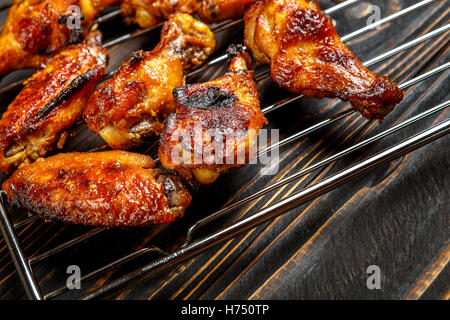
219,10
147,13
111,188
216,124
37,29
307,56
135,102
50,103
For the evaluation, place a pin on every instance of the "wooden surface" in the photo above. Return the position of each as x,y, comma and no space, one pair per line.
397,217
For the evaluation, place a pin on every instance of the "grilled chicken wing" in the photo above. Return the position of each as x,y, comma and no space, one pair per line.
50,103
135,102
307,56
147,13
36,29
220,10
216,124
111,188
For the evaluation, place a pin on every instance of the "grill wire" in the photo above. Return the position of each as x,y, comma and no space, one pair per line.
191,247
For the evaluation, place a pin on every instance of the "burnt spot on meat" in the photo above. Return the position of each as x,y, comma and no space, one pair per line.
66,94
204,98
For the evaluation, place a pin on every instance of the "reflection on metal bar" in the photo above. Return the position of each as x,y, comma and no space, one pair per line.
26,221
407,45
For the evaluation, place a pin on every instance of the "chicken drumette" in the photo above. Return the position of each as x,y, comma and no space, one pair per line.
111,188
216,124
135,102
50,103
307,56
37,29
147,13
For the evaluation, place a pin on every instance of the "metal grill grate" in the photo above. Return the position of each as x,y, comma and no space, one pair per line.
192,246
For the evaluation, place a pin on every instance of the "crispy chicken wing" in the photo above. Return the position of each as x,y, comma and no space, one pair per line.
135,102
36,29
220,10
111,188
147,13
50,103
216,124
307,56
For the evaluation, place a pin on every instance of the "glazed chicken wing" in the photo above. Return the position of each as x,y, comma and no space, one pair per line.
111,188
307,56
220,10
147,13
135,102
36,29
216,124
50,103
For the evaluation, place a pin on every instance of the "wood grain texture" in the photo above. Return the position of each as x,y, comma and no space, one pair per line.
396,217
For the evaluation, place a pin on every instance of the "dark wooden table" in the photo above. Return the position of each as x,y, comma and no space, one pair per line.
396,217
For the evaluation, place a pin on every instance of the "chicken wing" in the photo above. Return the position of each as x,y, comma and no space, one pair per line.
219,10
216,124
135,102
111,188
35,30
147,13
50,103
307,56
